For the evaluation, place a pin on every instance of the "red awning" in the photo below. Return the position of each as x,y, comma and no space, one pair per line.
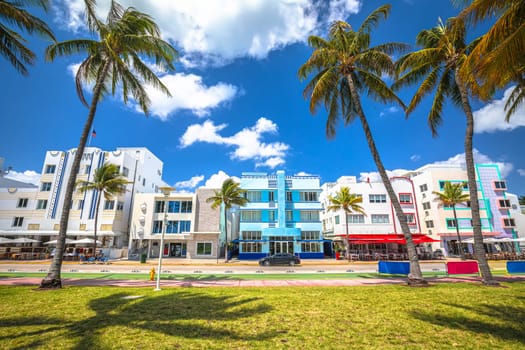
418,238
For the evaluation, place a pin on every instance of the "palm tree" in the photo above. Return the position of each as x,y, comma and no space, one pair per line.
521,200
230,194
349,203
498,58
345,65
439,64
114,61
451,196
12,44
106,181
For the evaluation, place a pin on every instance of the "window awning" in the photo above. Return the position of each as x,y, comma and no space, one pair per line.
418,238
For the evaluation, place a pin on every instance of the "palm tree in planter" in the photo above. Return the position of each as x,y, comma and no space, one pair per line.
230,194
12,44
349,203
114,63
345,65
441,66
108,182
451,196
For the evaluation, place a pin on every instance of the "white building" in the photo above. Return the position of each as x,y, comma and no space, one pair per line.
35,212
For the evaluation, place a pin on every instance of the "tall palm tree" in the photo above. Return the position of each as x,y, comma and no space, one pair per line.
113,61
451,196
13,44
345,65
498,58
439,64
349,203
106,181
230,194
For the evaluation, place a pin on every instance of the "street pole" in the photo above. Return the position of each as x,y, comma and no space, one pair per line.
166,191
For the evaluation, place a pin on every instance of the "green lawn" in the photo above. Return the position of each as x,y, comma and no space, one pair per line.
444,316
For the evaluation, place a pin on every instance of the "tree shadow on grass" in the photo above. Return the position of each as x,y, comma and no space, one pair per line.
505,322
180,314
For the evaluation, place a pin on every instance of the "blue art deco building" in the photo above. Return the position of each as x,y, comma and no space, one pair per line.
282,216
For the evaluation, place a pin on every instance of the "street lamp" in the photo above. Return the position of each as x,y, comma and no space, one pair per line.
166,191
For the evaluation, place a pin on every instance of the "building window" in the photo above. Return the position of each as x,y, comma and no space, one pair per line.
271,216
18,221
377,198
405,198
356,219
185,206
125,171
423,188
45,186
411,219
308,196
87,169
288,196
289,215
144,182
251,247
429,224
309,215
80,204
442,184
251,216
251,235
426,205
22,203
337,219
253,196
451,223
500,185
310,247
173,207
380,219
159,207
185,226
41,204
109,205
157,226
509,222
50,169
271,196
172,226
504,203
310,235
120,205
203,248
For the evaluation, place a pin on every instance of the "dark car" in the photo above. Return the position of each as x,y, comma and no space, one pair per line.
280,259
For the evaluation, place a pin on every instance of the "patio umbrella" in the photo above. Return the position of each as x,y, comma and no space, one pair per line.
86,241
4,240
54,242
24,240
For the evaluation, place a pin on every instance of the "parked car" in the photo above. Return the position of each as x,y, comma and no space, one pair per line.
280,259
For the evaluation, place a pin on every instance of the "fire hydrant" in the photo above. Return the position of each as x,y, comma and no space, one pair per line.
152,274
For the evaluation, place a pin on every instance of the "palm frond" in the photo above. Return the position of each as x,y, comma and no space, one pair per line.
374,18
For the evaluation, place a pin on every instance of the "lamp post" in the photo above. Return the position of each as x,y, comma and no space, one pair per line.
166,191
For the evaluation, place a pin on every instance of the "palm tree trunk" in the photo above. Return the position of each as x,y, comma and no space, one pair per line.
415,277
460,244
97,208
479,249
53,278
347,245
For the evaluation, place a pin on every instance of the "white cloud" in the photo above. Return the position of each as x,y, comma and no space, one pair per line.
491,118
247,142
458,160
188,92
191,183
216,180
389,110
521,172
28,176
303,173
217,32
415,157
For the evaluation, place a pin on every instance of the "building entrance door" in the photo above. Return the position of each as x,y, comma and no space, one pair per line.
281,247
178,250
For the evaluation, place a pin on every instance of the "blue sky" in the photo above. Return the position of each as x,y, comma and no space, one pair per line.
237,103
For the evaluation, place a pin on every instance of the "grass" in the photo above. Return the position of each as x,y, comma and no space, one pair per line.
445,316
